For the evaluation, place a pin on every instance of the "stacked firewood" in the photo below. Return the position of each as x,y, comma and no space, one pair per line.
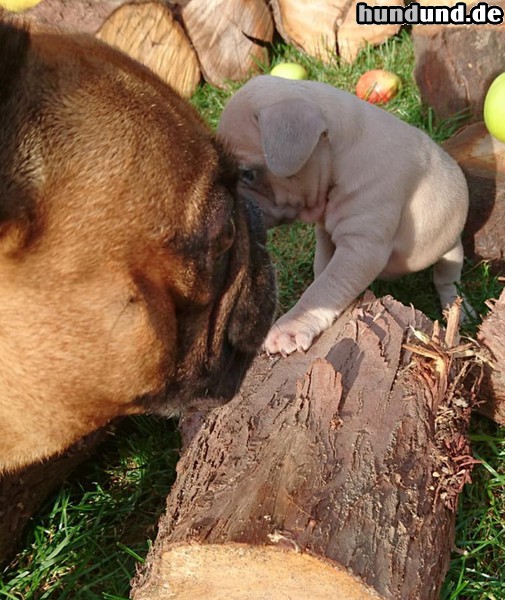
221,40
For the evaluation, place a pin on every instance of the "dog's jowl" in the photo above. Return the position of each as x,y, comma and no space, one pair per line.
384,198
133,277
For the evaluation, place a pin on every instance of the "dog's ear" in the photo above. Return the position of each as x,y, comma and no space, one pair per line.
16,207
290,131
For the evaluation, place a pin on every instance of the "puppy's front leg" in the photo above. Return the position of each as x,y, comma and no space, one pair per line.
324,250
356,262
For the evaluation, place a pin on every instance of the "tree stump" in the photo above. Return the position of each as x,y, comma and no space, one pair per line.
482,159
492,337
454,65
331,473
324,28
229,36
149,33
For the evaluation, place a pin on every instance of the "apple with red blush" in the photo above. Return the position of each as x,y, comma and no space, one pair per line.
378,86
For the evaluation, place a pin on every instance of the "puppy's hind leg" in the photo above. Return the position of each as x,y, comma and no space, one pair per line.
447,274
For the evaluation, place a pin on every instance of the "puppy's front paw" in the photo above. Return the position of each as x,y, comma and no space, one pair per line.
289,334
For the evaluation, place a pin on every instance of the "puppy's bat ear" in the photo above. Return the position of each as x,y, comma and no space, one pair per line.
290,131
16,206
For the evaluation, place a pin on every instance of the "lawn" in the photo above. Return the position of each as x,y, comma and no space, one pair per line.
88,538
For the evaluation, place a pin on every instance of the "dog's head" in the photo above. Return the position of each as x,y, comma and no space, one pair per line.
280,136
133,277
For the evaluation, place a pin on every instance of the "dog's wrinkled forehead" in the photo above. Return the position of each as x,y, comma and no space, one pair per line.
114,141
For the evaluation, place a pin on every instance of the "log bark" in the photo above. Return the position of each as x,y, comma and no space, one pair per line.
149,33
230,37
454,65
325,28
330,473
482,159
492,337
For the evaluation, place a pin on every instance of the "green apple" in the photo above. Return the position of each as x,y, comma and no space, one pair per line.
289,70
18,5
494,108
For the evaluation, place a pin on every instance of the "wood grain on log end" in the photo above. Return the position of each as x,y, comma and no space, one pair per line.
309,26
149,33
229,36
352,37
242,572
352,453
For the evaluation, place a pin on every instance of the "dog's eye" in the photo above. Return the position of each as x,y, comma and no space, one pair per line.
226,238
248,176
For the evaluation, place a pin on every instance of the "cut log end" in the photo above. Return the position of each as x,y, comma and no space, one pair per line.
190,571
149,33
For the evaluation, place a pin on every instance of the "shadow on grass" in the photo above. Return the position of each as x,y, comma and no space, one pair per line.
87,539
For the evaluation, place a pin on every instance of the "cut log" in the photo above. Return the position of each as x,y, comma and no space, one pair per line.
324,28
450,68
482,158
229,36
331,473
492,337
149,33
352,38
309,26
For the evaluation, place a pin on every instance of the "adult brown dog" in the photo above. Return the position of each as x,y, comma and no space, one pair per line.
133,278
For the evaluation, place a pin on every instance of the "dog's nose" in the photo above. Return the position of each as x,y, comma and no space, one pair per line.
257,225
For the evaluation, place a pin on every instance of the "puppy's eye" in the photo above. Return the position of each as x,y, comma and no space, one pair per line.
226,238
248,176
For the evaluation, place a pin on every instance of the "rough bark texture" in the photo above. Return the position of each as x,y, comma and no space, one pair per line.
324,28
149,33
229,36
356,458
454,65
492,337
482,158
22,493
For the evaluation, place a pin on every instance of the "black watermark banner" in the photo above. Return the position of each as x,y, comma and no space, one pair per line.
415,14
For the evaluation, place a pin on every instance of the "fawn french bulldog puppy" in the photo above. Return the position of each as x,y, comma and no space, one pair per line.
385,199
133,276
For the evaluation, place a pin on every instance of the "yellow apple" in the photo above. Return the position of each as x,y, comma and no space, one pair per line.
289,70
18,5
494,108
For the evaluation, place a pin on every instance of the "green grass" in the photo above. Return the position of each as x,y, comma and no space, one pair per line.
87,539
